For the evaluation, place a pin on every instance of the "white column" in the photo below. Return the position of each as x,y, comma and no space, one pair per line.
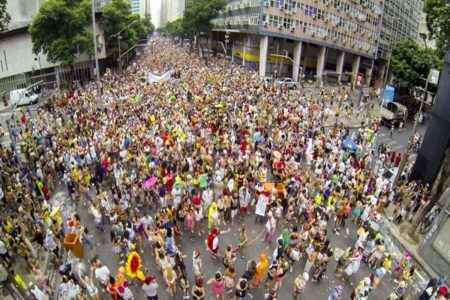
320,63
340,64
355,68
297,56
381,71
263,46
232,51
368,76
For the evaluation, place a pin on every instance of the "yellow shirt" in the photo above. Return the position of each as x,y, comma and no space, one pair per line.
20,282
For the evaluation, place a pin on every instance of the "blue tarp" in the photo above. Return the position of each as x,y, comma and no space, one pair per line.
388,95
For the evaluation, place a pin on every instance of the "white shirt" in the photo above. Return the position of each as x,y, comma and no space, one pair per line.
3,248
150,289
102,274
261,205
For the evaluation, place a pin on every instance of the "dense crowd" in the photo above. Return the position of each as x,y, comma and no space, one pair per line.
211,146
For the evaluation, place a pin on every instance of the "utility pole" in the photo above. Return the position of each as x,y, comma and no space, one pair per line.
97,69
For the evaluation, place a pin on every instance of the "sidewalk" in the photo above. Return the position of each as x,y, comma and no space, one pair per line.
413,249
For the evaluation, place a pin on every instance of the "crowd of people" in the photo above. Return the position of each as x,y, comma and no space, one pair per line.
161,163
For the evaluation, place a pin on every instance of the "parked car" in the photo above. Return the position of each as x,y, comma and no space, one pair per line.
289,82
23,97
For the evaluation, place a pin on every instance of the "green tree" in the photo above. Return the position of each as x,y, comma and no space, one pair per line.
148,25
60,30
174,28
438,23
4,16
410,62
199,13
117,17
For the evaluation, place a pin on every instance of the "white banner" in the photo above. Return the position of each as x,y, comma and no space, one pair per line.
152,78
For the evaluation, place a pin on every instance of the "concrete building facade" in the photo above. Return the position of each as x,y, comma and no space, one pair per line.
323,40
171,10
400,20
19,66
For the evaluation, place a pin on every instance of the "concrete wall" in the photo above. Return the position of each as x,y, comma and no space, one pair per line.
16,55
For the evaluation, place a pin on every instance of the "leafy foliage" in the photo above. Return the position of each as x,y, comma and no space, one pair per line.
174,28
438,23
410,62
117,18
198,14
60,30
4,16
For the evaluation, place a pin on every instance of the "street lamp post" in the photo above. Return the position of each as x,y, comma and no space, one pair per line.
97,69
119,37
293,61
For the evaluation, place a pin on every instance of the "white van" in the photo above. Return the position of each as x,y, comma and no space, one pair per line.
23,97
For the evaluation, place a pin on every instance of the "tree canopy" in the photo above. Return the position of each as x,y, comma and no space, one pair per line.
199,13
410,62
117,18
174,28
4,16
438,23
60,30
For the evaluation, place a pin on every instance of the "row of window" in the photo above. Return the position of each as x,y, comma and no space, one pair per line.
251,19
318,31
344,6
240,4
313,11
349,26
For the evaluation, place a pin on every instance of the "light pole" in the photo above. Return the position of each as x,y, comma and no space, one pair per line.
293,61
97,69
416,122
119,37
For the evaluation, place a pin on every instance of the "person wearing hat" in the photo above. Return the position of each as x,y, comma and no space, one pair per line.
198,291
362,290
218,285
212,242
150,288
300,283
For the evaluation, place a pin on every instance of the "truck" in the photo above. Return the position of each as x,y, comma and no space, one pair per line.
392,113
23,97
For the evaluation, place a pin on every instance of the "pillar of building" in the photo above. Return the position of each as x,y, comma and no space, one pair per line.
297,56
355,68
320,63
381,71
263,47
368,76
340,64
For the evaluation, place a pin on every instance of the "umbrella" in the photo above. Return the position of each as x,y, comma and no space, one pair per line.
349,145
150,182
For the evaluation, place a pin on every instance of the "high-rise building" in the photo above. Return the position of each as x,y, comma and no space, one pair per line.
326,40
135,6
171,10
400,20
